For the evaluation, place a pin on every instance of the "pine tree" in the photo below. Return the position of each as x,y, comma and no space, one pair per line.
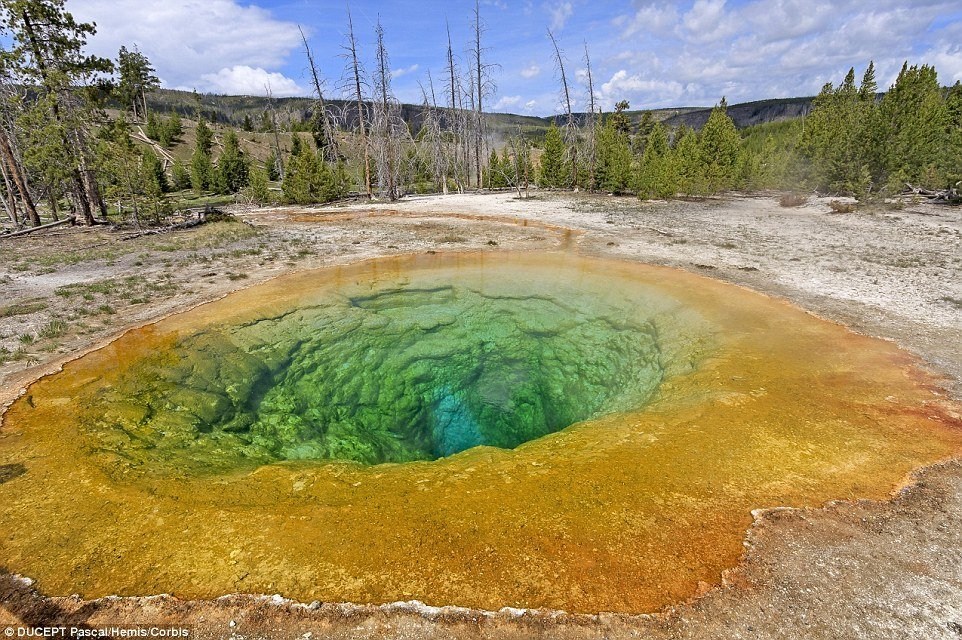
296,145
613,169
619,120
553,172
508,169
201,171
840,136
137,79
205,137
688,164
258,189
152,128
720,146
154,171
181,176
656,176
132,177
495,176
171,130
45,51
950,163
248,124
270,165
913,121
232,166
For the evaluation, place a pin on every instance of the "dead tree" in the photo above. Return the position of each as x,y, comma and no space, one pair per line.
570,135
385,138
320,107
278,161
433,137
9,200
591,143
14,168
521,151
483,87
355,82
456,118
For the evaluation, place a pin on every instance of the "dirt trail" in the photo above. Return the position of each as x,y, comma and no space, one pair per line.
868,570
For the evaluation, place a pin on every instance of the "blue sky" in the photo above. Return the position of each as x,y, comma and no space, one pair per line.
653,54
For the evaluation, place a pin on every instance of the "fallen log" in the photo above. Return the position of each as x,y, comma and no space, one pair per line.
950,194
199,218
23,232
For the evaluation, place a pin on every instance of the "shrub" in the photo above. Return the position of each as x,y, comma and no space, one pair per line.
842,207
793,200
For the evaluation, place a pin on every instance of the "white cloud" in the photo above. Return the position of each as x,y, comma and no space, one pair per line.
651,90
649,18
397,73
506,101
559,13
948,63
704,15
695,52
191,43
530,105
530,71
249,81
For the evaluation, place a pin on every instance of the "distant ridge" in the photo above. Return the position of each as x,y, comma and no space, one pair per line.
231,110
748,114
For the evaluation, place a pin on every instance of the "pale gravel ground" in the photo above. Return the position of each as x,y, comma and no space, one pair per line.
869,570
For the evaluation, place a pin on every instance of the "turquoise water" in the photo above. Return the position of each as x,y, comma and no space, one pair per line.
400,371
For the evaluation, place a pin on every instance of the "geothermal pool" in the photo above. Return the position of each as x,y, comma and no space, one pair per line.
483,430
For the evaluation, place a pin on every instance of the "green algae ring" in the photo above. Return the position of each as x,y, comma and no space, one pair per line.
490,430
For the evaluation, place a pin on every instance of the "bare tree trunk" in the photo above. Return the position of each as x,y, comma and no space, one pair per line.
592,141
10,200
472,160
330,141
355,66
440,159
387,167
89,179
479,86
80,193
16,173
279,162
93,192
570,125
52,198
456,117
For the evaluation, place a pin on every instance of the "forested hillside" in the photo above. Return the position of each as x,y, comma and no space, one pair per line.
98,138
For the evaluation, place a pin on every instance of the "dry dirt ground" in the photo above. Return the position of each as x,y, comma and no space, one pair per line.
866,570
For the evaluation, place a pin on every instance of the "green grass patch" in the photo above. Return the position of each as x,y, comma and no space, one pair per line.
54,329
22,308
207,236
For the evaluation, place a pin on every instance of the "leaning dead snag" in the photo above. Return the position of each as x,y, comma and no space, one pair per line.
454,116
570,130
13,167
278,161
327,139
432,136
591,143
355,81
387,149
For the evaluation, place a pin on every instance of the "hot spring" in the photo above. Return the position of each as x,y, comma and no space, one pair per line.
484,430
